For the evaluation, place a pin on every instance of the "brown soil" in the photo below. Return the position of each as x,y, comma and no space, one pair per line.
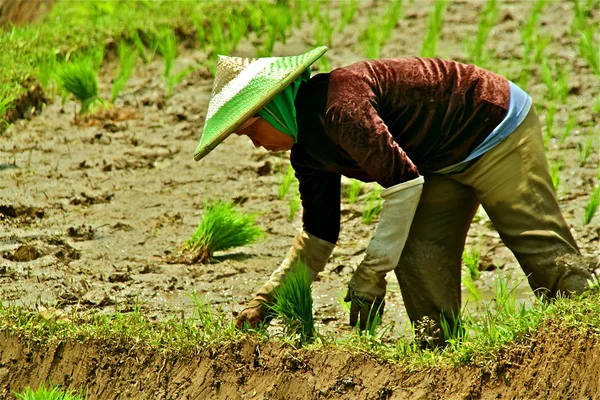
545,367
92,211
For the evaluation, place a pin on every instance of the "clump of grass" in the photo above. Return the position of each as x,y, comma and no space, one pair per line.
592,205
127,57
79,79
44,392
222,227
294,303
435,28
285,182
373,207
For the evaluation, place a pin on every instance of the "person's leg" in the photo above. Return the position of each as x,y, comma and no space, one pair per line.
429,270
513,184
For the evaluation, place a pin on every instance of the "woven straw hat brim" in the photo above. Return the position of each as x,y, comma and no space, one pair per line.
242,87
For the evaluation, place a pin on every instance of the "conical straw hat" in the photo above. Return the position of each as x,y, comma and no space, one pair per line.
242,87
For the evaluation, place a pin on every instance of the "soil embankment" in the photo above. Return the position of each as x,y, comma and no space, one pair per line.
545,367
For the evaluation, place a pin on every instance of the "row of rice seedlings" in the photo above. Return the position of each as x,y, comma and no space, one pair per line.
348,10
487,20
373,207
588,48
323,30
555,168
471,257
568,128
127,57
167,47
285,181
581,11
49,392
585,150
294,304
592,205
354,190
528,33
379,29
429,46
222,227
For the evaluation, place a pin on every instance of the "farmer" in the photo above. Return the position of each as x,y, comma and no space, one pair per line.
441,137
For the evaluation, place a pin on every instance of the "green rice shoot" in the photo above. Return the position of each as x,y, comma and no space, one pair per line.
471,258
44,392
592,205
294,303
222,227
285,182
373,207
79,79
127,57
354,191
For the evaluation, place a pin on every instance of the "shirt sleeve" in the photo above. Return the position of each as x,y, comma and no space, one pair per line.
320,194
355,125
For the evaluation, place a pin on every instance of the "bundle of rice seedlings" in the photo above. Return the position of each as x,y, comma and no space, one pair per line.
294,303
222,227
79,79
47,393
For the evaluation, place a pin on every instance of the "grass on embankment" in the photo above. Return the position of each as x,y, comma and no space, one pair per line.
499,329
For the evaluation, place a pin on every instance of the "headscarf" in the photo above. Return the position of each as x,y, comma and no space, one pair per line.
281,111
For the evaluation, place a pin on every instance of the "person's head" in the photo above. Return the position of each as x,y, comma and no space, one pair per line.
263,134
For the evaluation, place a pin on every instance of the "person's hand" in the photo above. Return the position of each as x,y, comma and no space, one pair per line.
255,314
367,313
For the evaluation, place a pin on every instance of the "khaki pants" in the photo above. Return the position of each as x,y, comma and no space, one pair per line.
512,182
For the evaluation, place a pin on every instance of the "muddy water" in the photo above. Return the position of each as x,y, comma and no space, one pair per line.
91,213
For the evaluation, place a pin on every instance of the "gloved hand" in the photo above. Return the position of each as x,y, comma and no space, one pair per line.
383,252
313,252
255,314
363,311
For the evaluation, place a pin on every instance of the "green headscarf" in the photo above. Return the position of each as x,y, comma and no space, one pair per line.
281,111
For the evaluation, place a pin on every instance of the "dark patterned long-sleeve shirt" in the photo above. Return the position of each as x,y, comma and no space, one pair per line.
388,121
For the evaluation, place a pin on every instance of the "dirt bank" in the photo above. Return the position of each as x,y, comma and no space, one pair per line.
543,367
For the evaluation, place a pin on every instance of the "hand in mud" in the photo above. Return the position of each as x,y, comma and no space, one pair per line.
370,312
255,314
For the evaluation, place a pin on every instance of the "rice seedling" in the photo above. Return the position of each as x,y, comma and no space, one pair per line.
487,20
222,227
555,168
469,284
372,37
596,106
373,207
167,46
549,128
324,28
580,14
585,150
294,205
556,79
146,55
348,10
569,126
354,191
285,181
127,57
44,392
429,46
592,205
588,48
79,79
528,33
392,14
294,303
471,259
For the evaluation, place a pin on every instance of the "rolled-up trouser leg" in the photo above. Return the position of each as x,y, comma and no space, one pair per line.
513,184
429,269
